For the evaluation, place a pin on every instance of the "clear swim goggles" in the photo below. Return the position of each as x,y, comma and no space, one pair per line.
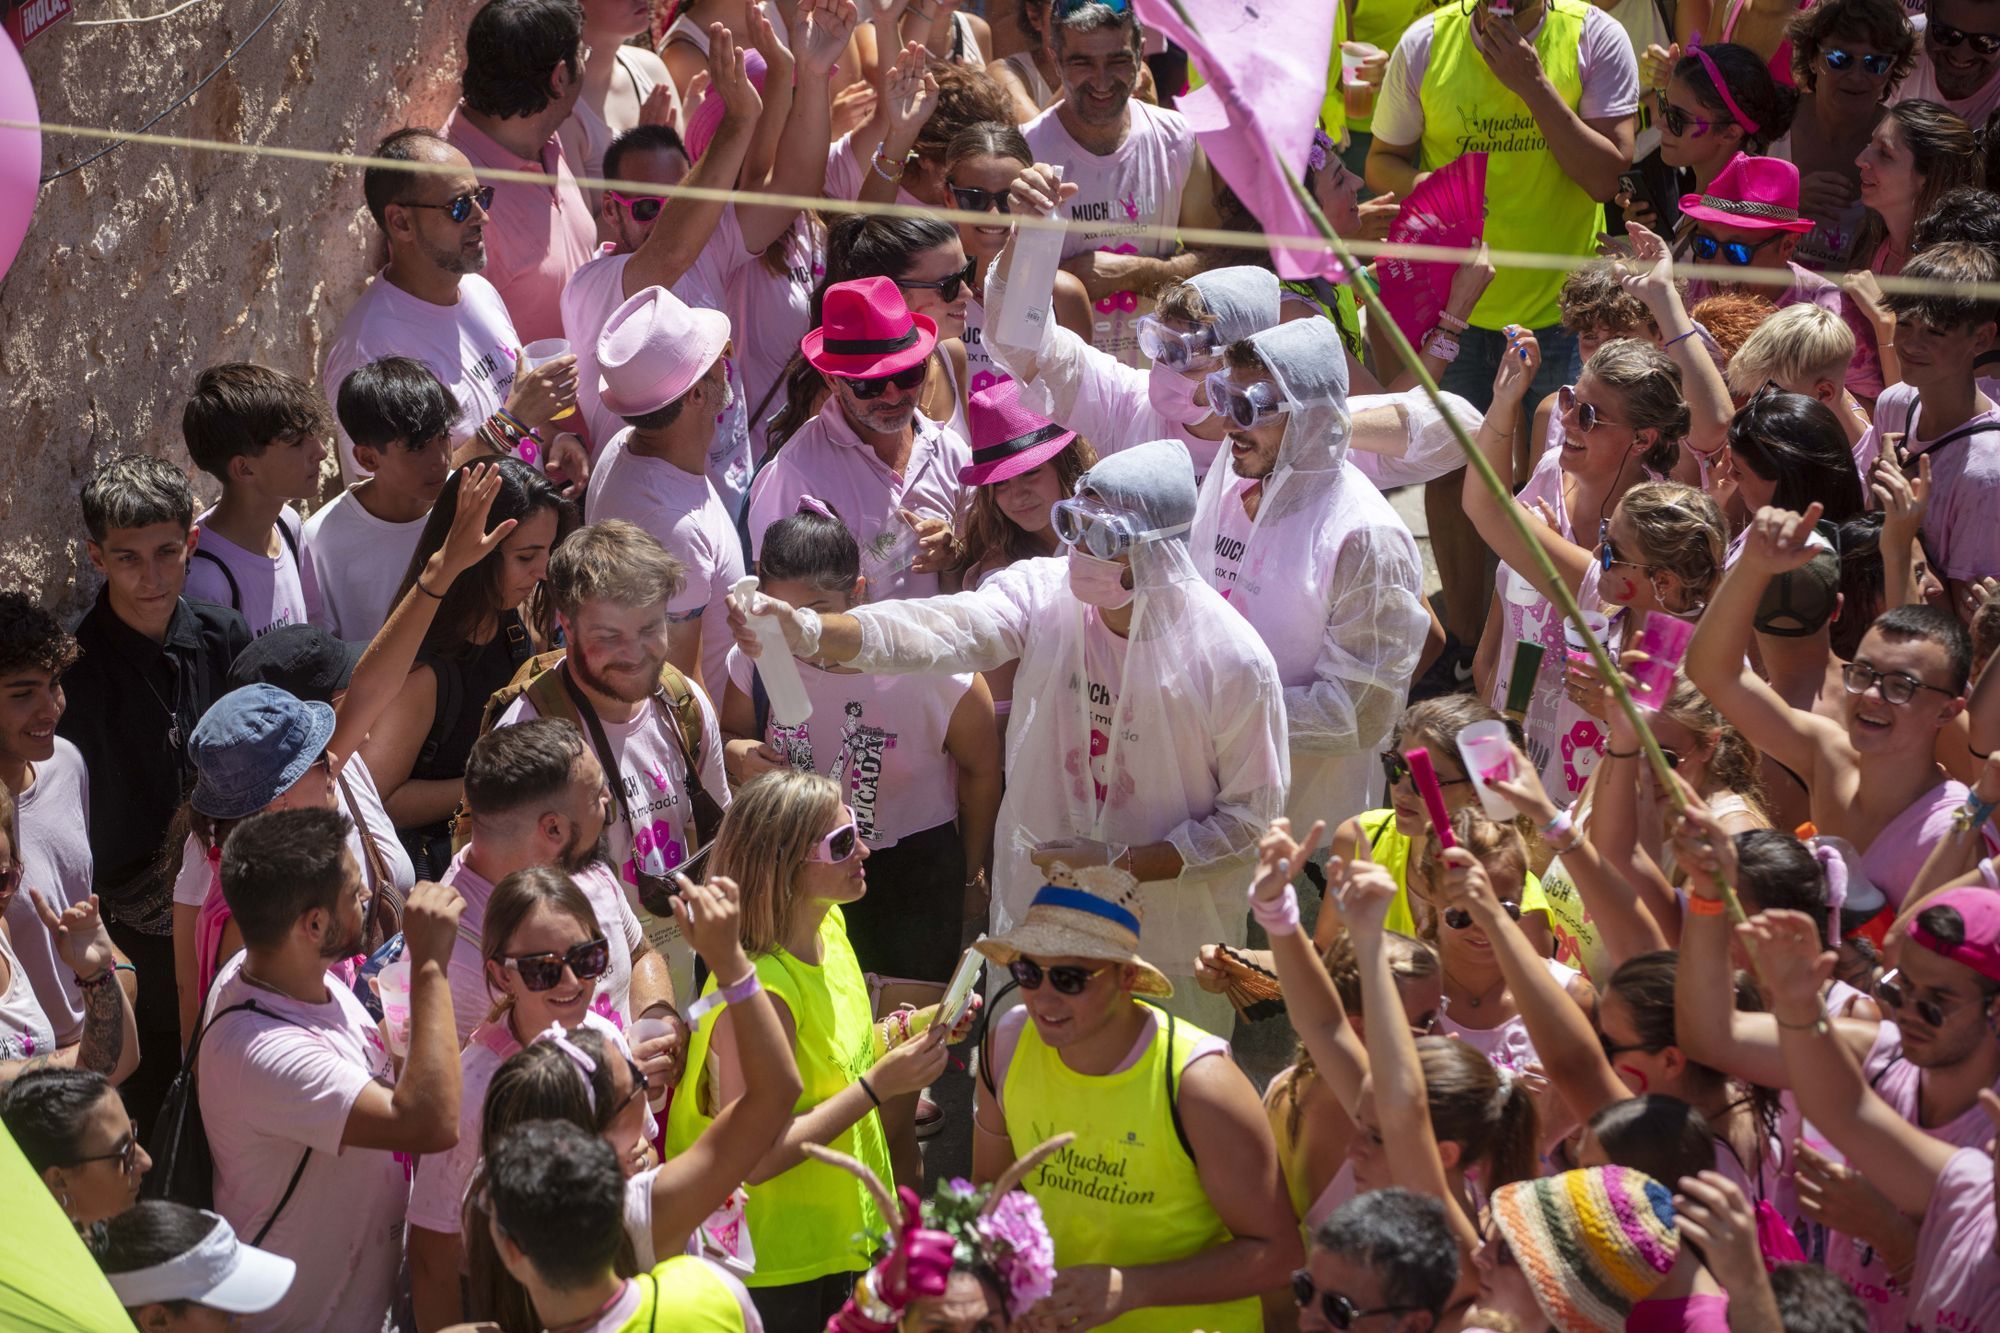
1243,408
1172,349
1099,530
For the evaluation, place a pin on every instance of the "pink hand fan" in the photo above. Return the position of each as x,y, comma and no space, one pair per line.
1448,209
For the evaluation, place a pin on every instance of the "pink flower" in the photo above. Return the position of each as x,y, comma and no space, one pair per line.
1024,1255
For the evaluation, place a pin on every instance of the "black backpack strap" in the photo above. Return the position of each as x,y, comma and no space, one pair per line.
194,1048
297,1173
1173,1092
760,703
987,1020
291,540
520,644
235,592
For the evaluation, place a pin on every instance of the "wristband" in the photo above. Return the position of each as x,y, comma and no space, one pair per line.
125,967
435,596
715,999
1610,753
93,983
1680,337
1279,915
1441,345
1818,1024
1701,905
1559,826
882,166
1451,323
863,1081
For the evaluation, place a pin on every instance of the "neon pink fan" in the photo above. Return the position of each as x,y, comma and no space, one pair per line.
1448,209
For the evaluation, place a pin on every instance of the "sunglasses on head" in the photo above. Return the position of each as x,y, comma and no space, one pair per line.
1874,64
837,846
1737,253
1335,1307
1896,993
1985,43
1460,919
460,208
1395,768
1678,122
906,379
643,207
1897,687
125,1152
543,971
947,287
1067,980
973,200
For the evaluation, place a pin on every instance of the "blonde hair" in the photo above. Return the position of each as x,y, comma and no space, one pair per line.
1648,385
1801,343
1679,530
613,561
1410,961
1499,848
1734,763
770,829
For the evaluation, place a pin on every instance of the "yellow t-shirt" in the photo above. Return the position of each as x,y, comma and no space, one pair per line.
1389,849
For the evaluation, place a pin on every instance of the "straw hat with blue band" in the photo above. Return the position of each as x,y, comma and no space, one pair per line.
1090,913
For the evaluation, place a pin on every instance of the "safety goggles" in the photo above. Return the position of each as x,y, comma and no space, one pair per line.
1335,1307
1175,349
908,379
1896,993
947,287
1395,769
460,208
1874,64
1099,530
125,1152
1985,43
1737,253
646,207
1067,980
974,200
1460,919
1678,122
1242,408
542,971
837,846
1588,418
1897,687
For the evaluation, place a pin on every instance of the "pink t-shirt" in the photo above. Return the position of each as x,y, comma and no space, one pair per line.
1508,1044
1921,82
270,1090
1864,370
881,738
55,862
827,460
269,590
1955,1287
1138,185
471,346
1681,1314
1899,851
537,235
1965,480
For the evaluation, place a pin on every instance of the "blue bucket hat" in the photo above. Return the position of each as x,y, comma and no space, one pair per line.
251,746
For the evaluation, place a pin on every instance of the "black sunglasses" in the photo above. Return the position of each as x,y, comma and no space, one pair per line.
1336,1308
1897,687
542,971
902,379
1459,919
1395,768
460,208
126,1150
1985,43
1067,980
1612,1050
947,287
1678,122
1895,993
973,200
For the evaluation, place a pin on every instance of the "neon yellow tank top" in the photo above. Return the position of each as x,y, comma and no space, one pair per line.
1388,848
805,1223
1125,1192
1530,203
684,1295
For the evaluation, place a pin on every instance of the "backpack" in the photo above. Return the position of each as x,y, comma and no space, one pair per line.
235,592
545,682
183,1166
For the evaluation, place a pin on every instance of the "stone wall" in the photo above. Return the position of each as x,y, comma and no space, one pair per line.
152,262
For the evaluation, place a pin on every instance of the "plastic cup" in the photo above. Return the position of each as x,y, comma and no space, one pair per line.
640,1032
1487,753
1665,643
392,987
539,353
1357,98
1573,640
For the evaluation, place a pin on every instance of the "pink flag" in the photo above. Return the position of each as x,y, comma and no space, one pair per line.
1265,62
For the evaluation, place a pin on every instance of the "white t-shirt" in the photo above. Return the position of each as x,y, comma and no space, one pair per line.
471,346
24,1028
1605,64
1139,185
270,590
356,562
982,371
1103,681
688,517
55,862
471,1002
269,1091
654,784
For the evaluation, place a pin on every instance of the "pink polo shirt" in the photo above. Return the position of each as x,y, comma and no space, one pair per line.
538,235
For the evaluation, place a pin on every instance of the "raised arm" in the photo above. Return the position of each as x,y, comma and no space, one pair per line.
421,1114
1624,796
110,1041
1311,1002
1518,365
800,167
1649,275
910,92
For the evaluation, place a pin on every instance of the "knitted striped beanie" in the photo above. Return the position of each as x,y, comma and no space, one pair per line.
1593,1243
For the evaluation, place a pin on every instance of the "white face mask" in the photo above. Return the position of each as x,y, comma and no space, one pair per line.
1172,396
1098,583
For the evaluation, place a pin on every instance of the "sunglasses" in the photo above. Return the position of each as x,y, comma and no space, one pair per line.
1607,557
1460,919
640,1087
1985,43
869,389
1897,687
836,847
125,1152
1174,349
1896,994
1738,253
947,287
644,207
1678,122
1242,408
460,208
1875,65
543,971
1067,980
973,200
1334,1307
1588,418
1612,1050
1395,768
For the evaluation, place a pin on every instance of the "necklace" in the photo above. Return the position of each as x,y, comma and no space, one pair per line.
1491,992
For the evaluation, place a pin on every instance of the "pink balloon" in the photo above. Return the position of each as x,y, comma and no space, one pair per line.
20,154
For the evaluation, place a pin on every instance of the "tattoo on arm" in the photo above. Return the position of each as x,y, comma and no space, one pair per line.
103,1028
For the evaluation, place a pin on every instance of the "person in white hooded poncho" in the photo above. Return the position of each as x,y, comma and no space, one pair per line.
1305,547
1148,728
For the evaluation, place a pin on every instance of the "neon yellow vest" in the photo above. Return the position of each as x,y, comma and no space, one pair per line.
1388,848
1126,1192
1530,204
807,1222
684,1295
1381,24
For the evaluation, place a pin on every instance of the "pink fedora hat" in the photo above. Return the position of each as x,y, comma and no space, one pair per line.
1007,439
653,349
1755,193
866,331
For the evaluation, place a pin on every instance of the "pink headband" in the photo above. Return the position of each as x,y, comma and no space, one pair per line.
1835,865
1721,88
559,1039
812,505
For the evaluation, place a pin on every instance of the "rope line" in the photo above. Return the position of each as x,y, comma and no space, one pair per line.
137,18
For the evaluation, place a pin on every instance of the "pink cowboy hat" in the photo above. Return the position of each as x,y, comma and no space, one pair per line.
653,349
1007,439
866,332
1755,193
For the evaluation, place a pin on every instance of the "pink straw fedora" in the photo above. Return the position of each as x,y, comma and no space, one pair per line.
653,349
1007,439
1755,193
867,332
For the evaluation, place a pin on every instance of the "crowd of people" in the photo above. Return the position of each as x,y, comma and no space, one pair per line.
464,901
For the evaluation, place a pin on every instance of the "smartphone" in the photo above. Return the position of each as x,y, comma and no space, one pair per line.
958,995
657,892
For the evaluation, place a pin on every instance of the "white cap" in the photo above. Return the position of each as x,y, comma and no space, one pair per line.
221,1272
